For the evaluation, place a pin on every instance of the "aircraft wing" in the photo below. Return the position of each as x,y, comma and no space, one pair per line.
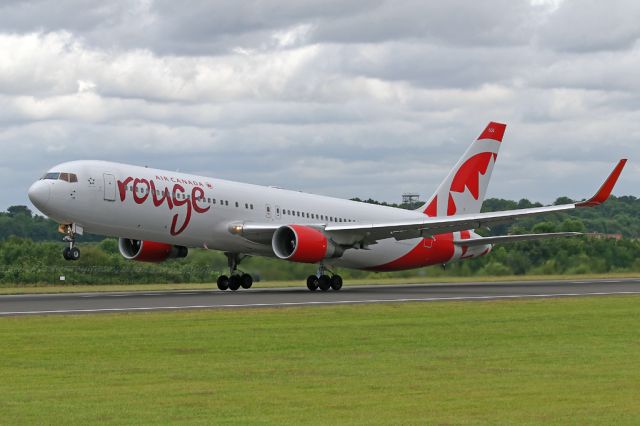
360,235
429,226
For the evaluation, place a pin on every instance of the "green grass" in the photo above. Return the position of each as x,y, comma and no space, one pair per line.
75,288
569,361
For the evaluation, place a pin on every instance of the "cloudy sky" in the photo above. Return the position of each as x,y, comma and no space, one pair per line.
338,97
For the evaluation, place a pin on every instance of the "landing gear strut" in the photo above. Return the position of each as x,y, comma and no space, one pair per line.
72,252
323,281
236,279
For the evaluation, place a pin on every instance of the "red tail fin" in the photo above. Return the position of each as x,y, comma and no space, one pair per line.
464,189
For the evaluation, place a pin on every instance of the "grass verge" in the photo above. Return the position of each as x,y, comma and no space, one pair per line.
56,288
571,360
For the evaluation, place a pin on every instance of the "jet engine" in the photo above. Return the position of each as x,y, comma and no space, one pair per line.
304,244
149,251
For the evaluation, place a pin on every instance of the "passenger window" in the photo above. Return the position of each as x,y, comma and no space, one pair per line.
214,201
251,206
226,202
237,205
246,206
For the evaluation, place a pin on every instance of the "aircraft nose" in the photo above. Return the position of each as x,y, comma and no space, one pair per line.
39,193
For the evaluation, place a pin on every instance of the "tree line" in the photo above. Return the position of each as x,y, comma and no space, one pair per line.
30,251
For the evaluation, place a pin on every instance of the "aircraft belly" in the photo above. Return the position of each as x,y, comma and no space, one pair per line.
392,255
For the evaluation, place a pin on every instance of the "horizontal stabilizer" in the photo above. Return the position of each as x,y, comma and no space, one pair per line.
513,238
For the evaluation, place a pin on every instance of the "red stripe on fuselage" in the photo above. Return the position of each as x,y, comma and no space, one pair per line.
426,253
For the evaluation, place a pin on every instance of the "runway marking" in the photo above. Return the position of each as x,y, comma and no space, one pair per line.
323,302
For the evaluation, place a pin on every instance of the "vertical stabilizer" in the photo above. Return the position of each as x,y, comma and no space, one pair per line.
464,188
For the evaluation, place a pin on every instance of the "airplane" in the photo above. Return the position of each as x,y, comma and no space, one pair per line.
159,214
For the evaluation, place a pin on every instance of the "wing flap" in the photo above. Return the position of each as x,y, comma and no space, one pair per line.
500,239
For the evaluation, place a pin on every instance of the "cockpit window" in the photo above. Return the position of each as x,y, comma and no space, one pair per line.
53,176
67,177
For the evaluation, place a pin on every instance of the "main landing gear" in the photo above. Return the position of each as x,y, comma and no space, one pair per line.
236,279
72,252
323,281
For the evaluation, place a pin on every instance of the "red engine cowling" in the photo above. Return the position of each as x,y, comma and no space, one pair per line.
299,243
149,251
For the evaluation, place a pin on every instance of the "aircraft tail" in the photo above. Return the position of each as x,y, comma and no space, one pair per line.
465,187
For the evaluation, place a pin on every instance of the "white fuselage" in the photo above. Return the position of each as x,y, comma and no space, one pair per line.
141,203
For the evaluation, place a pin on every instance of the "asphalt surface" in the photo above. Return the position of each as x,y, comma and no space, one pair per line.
78,303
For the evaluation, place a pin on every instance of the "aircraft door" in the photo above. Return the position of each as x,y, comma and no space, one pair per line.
109,187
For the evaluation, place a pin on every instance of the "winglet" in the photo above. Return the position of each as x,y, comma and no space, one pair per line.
606,188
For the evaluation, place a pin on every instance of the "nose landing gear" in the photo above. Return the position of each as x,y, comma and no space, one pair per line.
71,231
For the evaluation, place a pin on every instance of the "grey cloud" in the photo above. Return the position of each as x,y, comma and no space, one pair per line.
345,98
205,27
591,25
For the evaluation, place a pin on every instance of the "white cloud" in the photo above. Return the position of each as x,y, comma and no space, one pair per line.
348,98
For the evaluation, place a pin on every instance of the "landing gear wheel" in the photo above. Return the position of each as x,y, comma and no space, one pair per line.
234,282
336,282
246,281
223,282
312,282
74,253
324,282
66,253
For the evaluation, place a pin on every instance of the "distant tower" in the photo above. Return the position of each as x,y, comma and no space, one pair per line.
410,198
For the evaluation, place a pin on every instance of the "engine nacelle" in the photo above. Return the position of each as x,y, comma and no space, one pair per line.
299,243
149,251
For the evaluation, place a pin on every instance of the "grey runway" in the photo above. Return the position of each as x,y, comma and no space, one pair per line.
78,303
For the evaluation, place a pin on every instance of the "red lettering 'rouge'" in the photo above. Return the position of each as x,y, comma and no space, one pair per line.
174,199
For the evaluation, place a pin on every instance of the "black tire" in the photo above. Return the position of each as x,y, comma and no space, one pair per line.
336,282
223,282
66,253
324,282
234,282
312,282
246,281
74,253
